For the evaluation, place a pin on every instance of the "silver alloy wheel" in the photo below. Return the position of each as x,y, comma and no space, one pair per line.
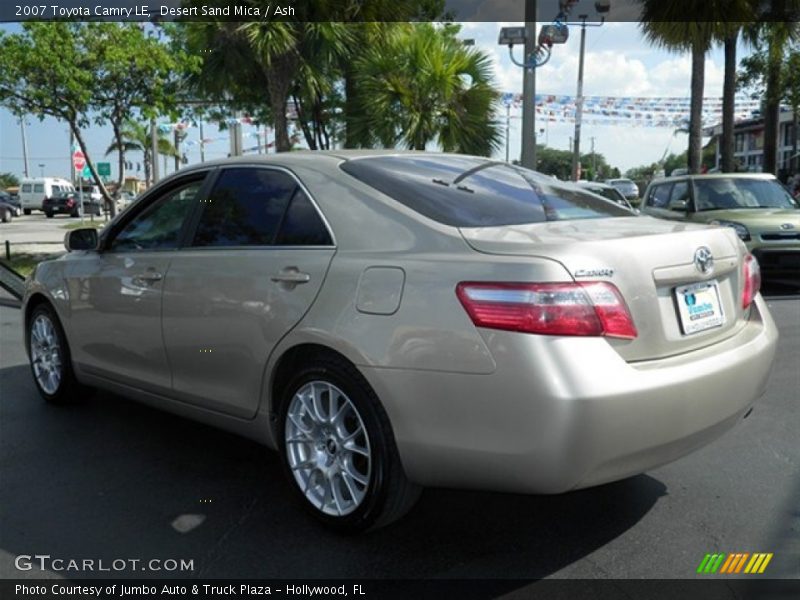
327,448
46,354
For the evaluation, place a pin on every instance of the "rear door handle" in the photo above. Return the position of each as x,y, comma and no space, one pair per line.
291,275
150,276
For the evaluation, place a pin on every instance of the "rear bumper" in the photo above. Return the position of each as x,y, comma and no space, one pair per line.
564,413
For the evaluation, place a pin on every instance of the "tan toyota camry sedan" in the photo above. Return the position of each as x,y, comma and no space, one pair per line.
389,321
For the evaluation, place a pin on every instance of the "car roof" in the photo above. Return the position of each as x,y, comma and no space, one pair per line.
712,176
597,184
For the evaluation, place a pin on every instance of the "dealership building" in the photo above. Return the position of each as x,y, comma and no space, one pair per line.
749,142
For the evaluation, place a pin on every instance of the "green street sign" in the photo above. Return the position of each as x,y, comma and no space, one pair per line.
104,169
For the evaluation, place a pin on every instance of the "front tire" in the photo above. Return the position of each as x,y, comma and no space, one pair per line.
26,211
51,362
6,216
338,449
48,214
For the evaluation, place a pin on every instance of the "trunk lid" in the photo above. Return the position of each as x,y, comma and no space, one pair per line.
648,260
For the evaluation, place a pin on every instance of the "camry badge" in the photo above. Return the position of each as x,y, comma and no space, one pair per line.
601,272
704,260
787,226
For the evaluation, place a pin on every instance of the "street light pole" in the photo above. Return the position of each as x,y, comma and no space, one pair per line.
528,157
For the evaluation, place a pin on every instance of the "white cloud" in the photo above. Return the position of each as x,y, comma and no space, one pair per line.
618,62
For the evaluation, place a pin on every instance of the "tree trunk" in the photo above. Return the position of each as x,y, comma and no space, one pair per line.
728,104
176,136
695,151
98,182
146,161
301,119
795,125
279,79
772,106
350,108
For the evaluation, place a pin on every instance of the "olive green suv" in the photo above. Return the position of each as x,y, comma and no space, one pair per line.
764,215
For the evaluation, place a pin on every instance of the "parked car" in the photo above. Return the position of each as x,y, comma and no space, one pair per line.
763,214
606,191
93,192
628,188
12,201
391,321
7,212
69,203
33,191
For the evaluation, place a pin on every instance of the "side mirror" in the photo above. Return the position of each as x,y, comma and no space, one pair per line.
81,239
678,205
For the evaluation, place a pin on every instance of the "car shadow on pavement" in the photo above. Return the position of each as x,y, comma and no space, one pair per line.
106,479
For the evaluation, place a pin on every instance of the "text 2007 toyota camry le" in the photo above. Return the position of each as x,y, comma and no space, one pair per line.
389,321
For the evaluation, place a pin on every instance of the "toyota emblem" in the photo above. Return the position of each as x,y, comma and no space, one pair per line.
704,260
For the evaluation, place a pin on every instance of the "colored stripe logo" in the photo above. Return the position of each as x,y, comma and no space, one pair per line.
734,563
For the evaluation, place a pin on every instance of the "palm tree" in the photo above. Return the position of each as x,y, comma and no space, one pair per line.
423,85
739,13
778,27
136,138
665,24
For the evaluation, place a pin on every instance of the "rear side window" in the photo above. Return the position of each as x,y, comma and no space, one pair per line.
26,188
302,225
680,192
474,192
259,207
38,188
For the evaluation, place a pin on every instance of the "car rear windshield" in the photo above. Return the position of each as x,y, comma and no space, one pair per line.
725,193
464,191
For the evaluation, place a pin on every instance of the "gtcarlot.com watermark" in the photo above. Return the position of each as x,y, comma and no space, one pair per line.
45,562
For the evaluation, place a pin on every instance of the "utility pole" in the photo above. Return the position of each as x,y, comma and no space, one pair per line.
153,151
508,126
528,157
576,151
202,144
235,132
24,145
576,156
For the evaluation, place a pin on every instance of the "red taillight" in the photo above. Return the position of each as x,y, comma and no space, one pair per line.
70,203
592,308
751,275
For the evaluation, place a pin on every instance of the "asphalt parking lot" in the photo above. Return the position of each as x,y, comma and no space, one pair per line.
107,479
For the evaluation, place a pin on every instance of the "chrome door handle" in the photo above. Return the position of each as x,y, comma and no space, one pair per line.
150,276
291,275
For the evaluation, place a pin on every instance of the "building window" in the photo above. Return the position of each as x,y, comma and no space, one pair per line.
739,142
788,137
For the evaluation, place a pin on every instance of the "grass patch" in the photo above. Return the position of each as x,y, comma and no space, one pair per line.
86,223
25,263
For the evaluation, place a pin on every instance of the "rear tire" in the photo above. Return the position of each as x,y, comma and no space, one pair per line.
6,216
48,214
27,211
51,362
338,448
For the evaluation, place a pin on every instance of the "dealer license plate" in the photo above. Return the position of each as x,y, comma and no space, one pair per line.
699,306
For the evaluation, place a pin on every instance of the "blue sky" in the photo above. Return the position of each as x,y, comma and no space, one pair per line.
618,63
